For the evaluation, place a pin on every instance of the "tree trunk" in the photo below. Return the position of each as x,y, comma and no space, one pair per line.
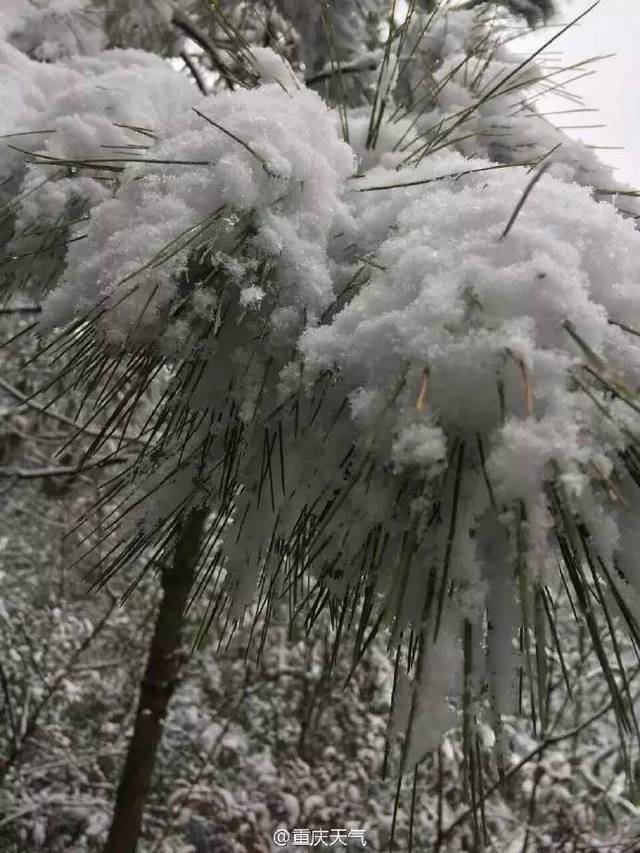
157,687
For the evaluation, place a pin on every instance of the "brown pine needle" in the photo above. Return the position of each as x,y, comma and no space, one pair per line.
528,390
421,402
613,491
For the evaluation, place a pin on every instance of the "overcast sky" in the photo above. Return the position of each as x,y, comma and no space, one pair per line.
614,88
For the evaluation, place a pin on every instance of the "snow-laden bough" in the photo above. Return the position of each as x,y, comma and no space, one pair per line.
408,394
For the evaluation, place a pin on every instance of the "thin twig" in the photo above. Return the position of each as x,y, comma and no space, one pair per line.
184,23
44,410
547,742
21,309
63,674
59,471
195,71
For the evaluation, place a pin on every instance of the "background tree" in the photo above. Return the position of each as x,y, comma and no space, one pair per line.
219,264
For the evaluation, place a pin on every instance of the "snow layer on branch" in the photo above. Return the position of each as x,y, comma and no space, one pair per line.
468,306
273,157
488,338
84,107
271,68
463,347
469,89
54,30
464,337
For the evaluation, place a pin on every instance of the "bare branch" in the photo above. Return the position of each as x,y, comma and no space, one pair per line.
44,410
195,71
59,471
188,27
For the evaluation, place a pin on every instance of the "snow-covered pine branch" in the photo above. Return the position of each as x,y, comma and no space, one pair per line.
399,364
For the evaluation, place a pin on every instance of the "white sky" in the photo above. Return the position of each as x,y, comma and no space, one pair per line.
613,88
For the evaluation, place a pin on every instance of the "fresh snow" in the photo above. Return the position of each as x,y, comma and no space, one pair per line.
435,305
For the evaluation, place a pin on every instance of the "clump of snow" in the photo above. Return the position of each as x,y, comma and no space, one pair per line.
272,69
418,444
268,155
476,309
81,110
422,709
51,30
471,90
466,337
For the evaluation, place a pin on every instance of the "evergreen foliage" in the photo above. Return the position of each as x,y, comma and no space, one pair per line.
331,298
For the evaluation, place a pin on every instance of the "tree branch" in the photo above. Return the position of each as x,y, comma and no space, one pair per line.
27,402
186,25
21,309
32,722
354,68
547,742
195,71
59,471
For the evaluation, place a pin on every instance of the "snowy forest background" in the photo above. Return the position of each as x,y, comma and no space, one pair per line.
318,331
